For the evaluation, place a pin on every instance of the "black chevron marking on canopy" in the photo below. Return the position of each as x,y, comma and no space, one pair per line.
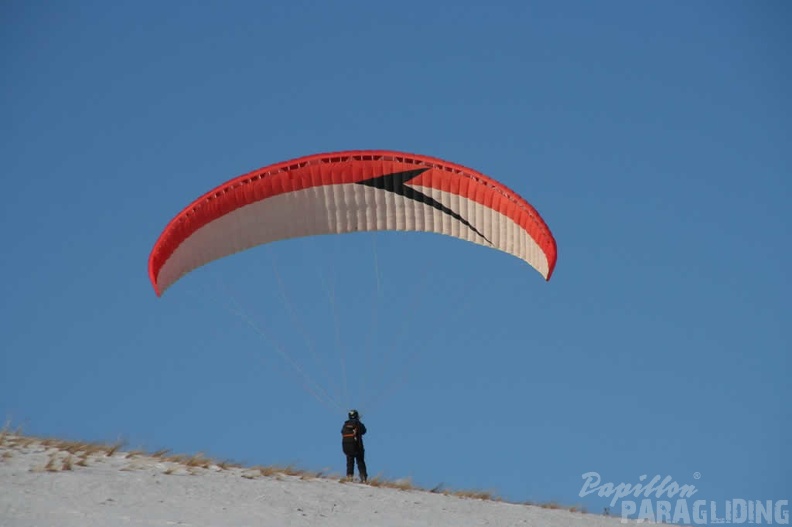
397,183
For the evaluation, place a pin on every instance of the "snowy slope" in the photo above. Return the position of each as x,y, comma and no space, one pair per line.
42,484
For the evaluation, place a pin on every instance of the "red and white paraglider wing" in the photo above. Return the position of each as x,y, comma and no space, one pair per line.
350,192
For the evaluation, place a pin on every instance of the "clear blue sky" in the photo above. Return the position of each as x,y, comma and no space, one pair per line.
654,138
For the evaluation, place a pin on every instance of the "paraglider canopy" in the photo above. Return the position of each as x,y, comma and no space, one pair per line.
353,191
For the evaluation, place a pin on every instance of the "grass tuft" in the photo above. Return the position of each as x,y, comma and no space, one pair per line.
197,461
267,471
291,470
115,447
51,466
227,465
400,484
475,494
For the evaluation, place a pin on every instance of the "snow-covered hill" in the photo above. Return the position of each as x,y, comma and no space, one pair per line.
57,483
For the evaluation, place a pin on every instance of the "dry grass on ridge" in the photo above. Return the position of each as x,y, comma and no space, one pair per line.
67,455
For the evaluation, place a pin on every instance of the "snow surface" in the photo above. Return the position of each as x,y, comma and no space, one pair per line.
142,490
